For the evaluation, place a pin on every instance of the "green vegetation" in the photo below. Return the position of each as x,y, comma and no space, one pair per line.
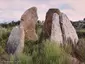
80,28
45,53
41,51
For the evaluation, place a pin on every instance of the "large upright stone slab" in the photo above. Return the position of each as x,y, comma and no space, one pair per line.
15,43
28,20
68,30
56,34
48,21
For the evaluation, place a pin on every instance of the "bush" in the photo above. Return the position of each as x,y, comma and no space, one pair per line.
4,33
81,33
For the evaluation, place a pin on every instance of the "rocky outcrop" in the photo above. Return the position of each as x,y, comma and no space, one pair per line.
59,28
28,20
15,43
56,34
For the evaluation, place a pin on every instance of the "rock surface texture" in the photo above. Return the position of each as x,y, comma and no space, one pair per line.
15,43
68,30
56,34
28,20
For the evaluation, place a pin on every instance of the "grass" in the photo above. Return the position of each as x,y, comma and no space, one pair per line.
49,53
55,54
45,52
81,30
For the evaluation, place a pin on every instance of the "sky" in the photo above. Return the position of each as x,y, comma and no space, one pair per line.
13,9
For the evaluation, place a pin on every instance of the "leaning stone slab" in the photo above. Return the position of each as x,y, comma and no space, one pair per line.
56,34
68,30
28,20
48,22
15,43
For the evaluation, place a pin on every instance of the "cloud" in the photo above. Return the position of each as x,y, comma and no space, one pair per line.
13,9
78,12
65,6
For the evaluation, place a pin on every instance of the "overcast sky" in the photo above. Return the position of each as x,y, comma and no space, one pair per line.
13,9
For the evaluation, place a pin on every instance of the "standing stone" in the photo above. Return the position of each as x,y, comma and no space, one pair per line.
56,34
48,22
28,20
15,43
68,30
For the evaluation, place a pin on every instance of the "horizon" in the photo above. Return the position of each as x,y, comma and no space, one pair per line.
13,9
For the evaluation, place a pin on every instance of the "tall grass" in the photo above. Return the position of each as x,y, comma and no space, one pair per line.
43,52
55,54
50,53
4,33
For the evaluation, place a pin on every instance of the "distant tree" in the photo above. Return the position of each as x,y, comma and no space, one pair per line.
84,19
11,24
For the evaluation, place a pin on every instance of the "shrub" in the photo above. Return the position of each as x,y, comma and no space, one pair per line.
4,33
81,33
